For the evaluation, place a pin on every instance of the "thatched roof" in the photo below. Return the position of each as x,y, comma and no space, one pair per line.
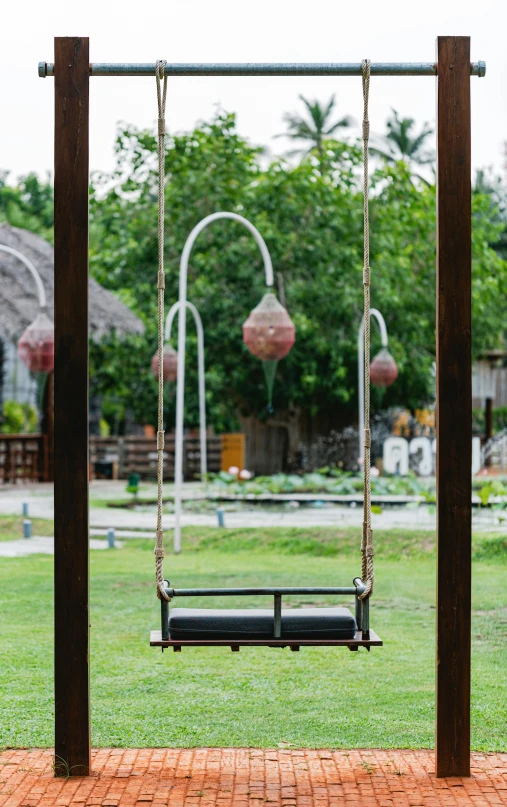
18,295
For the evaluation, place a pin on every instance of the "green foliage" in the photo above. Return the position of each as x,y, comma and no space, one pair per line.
335,482
494,188
499,420
489,488
311,218
19,418
120,373
490,547
28,205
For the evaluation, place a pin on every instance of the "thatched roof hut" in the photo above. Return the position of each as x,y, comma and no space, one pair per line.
18,295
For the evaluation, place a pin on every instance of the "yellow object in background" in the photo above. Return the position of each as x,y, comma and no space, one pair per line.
233,451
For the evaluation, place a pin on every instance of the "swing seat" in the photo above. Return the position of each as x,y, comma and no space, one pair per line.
229,624
278,627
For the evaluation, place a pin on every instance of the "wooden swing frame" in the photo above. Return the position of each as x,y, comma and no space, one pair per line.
72,72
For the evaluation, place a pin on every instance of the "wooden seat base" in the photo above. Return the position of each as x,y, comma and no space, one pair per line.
294,644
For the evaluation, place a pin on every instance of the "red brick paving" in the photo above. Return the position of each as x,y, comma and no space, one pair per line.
222,777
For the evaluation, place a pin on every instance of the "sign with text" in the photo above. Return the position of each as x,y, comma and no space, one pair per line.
418,455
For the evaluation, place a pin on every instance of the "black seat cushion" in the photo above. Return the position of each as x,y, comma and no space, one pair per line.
297,623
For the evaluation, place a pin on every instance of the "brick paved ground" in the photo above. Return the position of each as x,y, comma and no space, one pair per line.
221,777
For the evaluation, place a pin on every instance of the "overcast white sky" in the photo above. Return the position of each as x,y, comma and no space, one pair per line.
236,30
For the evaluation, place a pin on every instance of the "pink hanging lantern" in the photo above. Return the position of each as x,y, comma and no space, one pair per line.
383,369
269,332
36,348
170,363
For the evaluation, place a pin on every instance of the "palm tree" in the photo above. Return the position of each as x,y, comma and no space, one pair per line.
315,128
401,144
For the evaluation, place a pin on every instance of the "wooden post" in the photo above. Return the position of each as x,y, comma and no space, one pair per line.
72,691
48,427
454,407
488,430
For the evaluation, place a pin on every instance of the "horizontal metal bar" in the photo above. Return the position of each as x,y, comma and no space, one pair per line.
246,592
266,69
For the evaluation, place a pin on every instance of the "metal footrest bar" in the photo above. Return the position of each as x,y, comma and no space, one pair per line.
359,640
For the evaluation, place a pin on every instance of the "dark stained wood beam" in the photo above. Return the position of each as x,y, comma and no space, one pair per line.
454,407
48,427
488,426
72,690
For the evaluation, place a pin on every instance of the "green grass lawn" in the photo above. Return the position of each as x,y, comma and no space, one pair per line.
326,697
11,527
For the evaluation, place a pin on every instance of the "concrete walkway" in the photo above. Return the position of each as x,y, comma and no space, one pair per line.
102,518
284,514
287,513
236,777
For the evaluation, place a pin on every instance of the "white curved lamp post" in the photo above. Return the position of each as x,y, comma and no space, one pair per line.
29,265
36,346
200,368
180,388
360,364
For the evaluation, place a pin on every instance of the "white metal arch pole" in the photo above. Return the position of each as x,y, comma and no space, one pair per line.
200,369
29,265
360,365
180,384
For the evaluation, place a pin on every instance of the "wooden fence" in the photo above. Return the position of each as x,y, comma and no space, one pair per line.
121,456
23,458
500,398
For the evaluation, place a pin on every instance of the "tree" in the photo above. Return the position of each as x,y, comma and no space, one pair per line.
28,204
311,219
401,143
493,188
314,129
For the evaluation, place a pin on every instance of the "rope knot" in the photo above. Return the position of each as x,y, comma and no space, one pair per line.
366,130
366,275
161,279
368,590
367,438
161,594
160,441
161,127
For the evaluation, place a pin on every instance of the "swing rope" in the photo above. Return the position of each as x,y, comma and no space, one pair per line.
159,545
367,572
